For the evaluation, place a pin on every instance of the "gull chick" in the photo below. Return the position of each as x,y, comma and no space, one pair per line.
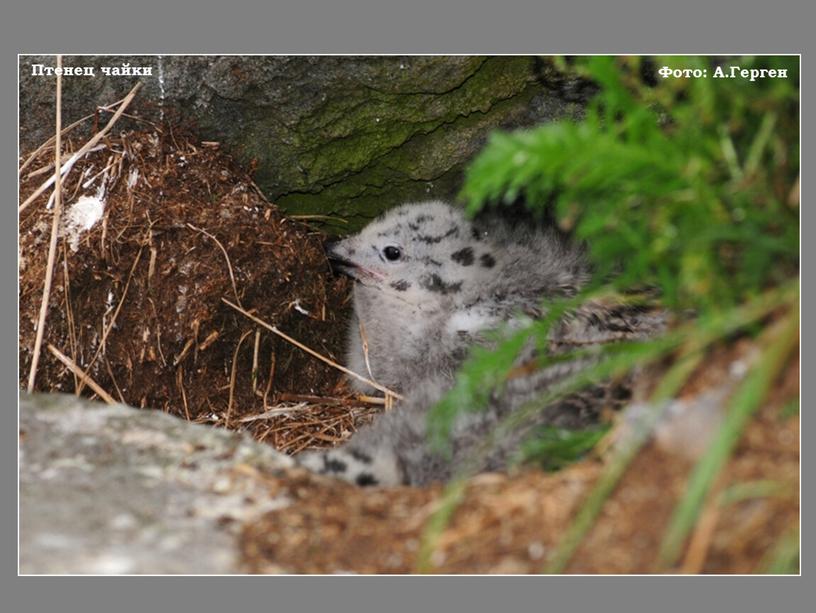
430,284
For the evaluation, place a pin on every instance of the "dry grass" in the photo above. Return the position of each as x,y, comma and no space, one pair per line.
52,244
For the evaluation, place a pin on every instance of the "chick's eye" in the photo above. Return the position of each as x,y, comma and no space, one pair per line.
392,253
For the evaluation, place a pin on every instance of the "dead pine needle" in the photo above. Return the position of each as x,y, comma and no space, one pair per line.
74,368
52,245
312,352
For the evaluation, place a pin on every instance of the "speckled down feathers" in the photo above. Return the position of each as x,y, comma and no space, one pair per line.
430,283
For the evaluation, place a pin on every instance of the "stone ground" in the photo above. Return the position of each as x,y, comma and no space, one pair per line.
111,490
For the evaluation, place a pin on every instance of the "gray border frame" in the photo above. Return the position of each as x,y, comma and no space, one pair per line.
480,26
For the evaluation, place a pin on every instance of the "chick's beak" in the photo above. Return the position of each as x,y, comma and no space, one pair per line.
337,256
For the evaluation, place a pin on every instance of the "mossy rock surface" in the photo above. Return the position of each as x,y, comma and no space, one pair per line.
346,136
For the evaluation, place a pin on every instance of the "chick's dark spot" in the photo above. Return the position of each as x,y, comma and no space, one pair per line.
487,260
432,240
463,256
366,479
435,283
333,465
360,456
401,285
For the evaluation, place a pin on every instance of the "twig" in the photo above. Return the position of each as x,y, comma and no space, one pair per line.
52,245
72,366
272,360
372,400
224,251
300,345
113,380
65,131
184,351
154,254
50,166
364,341
354,401
255,351
84,149
326,217
158,334
69,313
211,338
232,377
183,393
276,412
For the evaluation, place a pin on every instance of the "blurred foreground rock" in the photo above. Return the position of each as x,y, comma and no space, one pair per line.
111,489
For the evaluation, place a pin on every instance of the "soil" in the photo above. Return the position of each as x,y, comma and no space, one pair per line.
138,304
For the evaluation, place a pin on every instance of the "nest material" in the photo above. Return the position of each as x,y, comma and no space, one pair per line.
137,296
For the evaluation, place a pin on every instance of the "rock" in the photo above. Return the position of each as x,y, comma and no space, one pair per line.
340,136
112,489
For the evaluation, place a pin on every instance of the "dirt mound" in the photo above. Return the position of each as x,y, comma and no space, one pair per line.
157,229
